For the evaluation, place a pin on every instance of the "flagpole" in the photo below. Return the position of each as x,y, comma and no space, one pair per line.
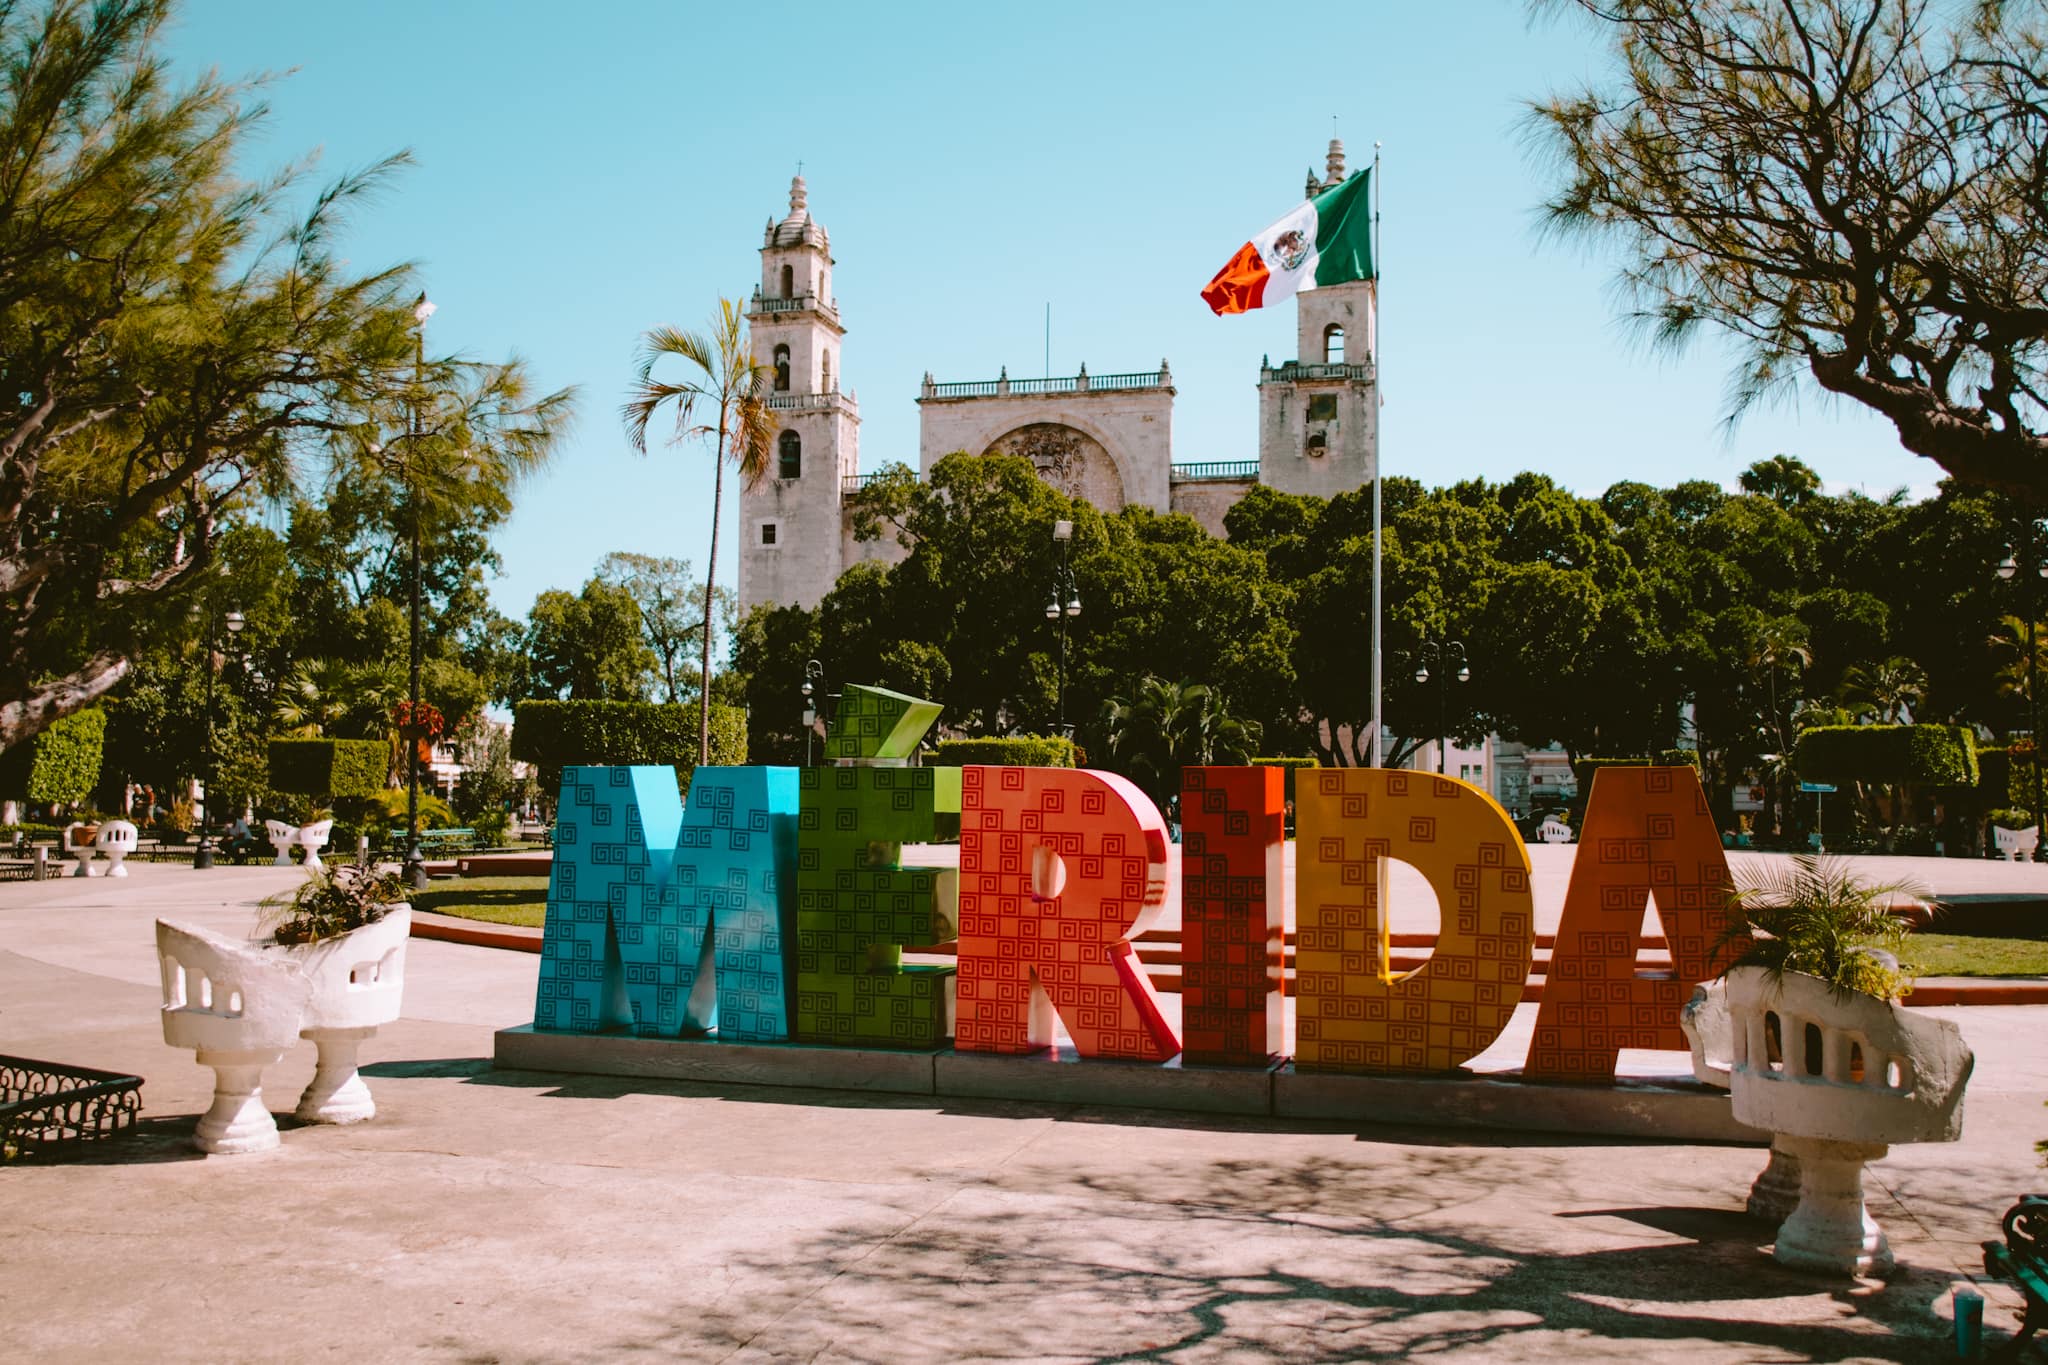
1379,728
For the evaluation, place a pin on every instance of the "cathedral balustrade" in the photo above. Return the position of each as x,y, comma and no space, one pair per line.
1215,470
1294,371
760,304
1083,382
812,402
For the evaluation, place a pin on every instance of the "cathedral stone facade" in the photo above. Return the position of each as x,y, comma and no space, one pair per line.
1107,438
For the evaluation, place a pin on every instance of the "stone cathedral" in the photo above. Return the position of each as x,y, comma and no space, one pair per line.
1106,437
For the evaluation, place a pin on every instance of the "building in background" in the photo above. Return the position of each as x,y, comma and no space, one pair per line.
1106,437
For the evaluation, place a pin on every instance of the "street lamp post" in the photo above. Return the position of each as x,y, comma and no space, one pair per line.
2008,569
415,869
814,673
202,857
1064,601
1443,653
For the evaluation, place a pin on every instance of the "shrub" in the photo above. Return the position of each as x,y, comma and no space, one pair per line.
1935,755
329,767
1289,767
2005,777
62,764
490,827
1010,751
390,803
1818,917
331,902
550,734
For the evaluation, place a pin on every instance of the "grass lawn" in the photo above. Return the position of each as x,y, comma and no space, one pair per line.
1967,955
500,900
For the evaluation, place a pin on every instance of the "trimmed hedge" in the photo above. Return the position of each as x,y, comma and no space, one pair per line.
1933,755
2005,777
1582,770
1012,751
61,764
1289,767
329,767
550,734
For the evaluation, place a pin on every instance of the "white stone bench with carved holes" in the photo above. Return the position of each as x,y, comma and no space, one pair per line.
116,839
2016,845
1836,1079
281,837
313,838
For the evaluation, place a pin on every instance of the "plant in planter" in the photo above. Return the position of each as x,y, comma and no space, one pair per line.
1821,1055
346,927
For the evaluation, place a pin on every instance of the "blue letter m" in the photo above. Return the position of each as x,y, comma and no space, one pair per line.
670,921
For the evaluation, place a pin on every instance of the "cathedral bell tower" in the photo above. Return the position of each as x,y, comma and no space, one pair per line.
790,544
1319,413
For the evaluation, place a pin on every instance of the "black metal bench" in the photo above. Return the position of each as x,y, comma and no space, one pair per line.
2023,1258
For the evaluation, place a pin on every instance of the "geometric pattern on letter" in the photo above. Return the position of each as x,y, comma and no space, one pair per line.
873,722
1647,833
1353,1014
1233,914
615,832
1022,957
735,878
857,906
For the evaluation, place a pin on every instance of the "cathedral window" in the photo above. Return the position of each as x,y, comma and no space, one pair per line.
825,385
788,283
1318,444
790,452
1333,345
768,530
782,369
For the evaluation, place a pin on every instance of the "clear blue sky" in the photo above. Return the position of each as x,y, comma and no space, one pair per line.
588,171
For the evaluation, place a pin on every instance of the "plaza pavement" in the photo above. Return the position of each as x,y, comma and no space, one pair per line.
507,1216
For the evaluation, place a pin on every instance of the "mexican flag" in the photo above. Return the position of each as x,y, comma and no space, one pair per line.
1325,240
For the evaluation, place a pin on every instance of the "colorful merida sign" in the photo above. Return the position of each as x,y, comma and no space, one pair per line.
776,907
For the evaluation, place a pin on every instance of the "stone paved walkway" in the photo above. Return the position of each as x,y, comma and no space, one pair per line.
492,1216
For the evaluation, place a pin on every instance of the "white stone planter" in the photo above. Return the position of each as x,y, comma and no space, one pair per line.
82,851
1708,1028
239,1007
355,984
281,837
1836,1079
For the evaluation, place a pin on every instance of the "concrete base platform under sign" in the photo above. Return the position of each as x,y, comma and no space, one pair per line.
1660,1111
1657,1109
876,1070
1060,1076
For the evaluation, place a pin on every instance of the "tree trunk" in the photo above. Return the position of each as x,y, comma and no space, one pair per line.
47,703
710,578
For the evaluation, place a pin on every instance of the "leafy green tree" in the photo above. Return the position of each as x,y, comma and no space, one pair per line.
588,647
173,346
1853,189
666,595
726,399
770,648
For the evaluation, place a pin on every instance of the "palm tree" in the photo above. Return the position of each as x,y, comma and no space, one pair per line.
2009,639
729,380
1778,644
1889,690
1169,726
